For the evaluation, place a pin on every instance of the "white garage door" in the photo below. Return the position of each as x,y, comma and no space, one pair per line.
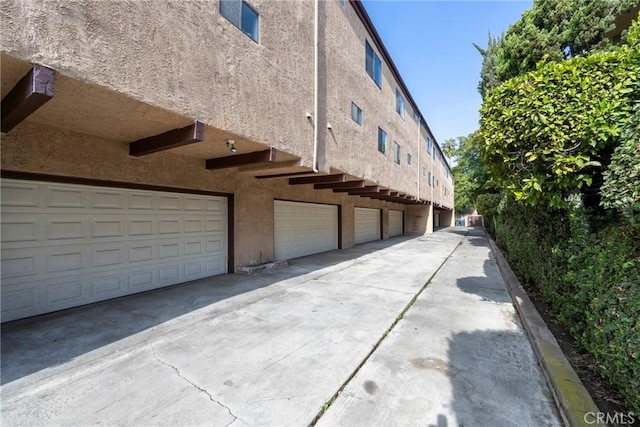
395,223
66,245
367,225
304,228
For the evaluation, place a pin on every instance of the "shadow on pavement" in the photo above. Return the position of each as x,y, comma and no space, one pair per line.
42,342
495,382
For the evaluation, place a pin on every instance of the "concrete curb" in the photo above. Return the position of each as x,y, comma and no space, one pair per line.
572,398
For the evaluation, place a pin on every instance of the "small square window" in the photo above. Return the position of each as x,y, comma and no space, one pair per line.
409,159
373,64
240,14
396,152
382,141
399,103
356,114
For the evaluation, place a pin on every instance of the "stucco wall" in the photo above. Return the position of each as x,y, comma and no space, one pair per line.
348,81
183,56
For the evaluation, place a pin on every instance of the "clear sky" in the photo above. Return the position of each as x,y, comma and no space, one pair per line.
431,44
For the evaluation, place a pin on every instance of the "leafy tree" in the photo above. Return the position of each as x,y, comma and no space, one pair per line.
554,30
470,174
546,133
621,188
489,72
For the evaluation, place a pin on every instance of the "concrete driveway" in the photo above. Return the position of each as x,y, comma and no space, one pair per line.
274,349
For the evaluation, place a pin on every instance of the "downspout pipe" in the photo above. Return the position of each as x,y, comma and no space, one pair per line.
316,101
418,163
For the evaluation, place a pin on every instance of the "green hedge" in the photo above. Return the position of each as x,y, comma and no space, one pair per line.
601,305
592,279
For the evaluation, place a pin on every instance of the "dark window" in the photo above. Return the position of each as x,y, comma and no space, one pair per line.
396,152
409,159
373,65
240,14
416,117
356,114
382,141
429,179
399,103
428,141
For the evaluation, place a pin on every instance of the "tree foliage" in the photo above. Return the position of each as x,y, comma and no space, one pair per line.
552,30
544,133
555,30
489,71
470,175
621,188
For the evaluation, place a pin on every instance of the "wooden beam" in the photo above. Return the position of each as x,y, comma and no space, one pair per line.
242,159
348,190
376,193
347,184
32,91
284,175
318,179
366,189
256,168
167,140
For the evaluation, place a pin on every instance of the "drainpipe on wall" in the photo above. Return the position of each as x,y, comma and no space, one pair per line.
418,163
316,106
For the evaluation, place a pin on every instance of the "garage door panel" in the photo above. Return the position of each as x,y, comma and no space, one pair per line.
82,244
142,201
106,199
395,223
304,228
17,194
20,228
21,262
65,197
109,286
366,225
107,228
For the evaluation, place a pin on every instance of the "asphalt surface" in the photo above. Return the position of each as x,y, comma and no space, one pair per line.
282,347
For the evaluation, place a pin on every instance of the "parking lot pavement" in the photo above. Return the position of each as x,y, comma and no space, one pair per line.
458,357
237,350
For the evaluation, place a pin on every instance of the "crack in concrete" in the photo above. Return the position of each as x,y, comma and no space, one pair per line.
153,352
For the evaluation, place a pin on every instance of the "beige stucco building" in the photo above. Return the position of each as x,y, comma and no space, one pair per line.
146,144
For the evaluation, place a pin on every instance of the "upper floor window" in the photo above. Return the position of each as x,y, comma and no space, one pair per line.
240,14
396,152
435,154
409,159
416,117
373,65
356,113
399,103
428,144
382,141
429,179
424,171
